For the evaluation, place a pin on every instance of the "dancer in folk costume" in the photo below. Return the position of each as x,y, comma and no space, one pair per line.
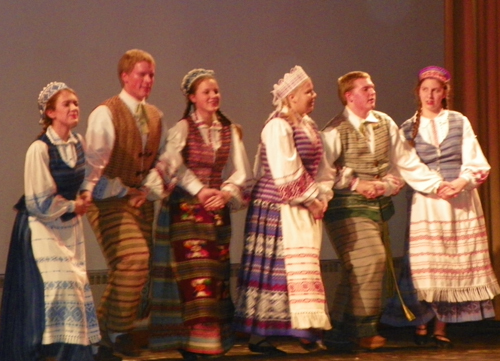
448,274
125,135
280,290
192,309
47,307
368,148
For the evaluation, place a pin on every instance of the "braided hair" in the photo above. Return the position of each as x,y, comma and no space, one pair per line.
444,104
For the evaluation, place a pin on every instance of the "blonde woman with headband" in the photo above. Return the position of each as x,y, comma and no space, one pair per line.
47,307
280,291
192,308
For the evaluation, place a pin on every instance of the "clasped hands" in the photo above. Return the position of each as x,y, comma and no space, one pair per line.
317,208
374,189
137,197
371,189
213,199
82,202
448,190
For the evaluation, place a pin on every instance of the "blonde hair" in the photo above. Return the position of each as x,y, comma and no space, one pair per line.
51,105
130,58
284,111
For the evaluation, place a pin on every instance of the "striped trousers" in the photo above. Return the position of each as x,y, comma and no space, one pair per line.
125,236
358,298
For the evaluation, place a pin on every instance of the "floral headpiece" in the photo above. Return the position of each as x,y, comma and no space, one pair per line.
190,77
434,72
47,93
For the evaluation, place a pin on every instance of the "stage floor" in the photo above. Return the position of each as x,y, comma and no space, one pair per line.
479,341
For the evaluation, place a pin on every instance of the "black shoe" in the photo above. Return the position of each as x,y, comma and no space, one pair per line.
268,349
125,345
106,354
187,355
442,341
421,338
312,346
338,342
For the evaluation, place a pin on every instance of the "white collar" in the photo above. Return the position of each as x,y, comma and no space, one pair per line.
440,118
130,101
356,121
56,139
216,124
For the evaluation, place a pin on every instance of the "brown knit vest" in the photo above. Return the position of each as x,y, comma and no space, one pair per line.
128,160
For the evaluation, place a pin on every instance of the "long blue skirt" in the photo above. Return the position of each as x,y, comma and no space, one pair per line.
22,317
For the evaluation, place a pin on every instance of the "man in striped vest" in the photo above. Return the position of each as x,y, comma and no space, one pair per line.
366,148
124,137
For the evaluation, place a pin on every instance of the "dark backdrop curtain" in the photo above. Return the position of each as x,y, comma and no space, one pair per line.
472,54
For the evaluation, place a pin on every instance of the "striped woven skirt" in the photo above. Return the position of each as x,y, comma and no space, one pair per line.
191,304
262,305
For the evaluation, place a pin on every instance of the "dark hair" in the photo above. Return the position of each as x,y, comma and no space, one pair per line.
189,104
444,104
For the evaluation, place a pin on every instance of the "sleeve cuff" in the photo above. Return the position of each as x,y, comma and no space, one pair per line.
71,206
354,184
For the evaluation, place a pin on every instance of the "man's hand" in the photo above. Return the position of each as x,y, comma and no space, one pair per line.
370,189
137,197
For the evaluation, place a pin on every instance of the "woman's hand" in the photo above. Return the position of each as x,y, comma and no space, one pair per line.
317,208
81,206
205,194
449,190
217,201
86,196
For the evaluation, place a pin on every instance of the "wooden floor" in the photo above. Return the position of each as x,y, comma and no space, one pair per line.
478,341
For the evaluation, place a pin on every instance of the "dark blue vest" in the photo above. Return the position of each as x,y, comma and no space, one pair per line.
68,180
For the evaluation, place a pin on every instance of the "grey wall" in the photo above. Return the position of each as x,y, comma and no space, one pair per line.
249,43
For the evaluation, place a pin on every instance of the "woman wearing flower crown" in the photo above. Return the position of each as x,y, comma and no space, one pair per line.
192,308
280,290
448,275
47,307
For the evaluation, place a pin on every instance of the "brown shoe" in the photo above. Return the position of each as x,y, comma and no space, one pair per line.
371,343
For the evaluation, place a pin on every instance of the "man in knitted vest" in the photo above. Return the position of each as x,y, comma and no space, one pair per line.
124,136
366,147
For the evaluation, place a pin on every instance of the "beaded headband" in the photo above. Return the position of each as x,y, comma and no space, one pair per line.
191,76
435,72
47,93
289,82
